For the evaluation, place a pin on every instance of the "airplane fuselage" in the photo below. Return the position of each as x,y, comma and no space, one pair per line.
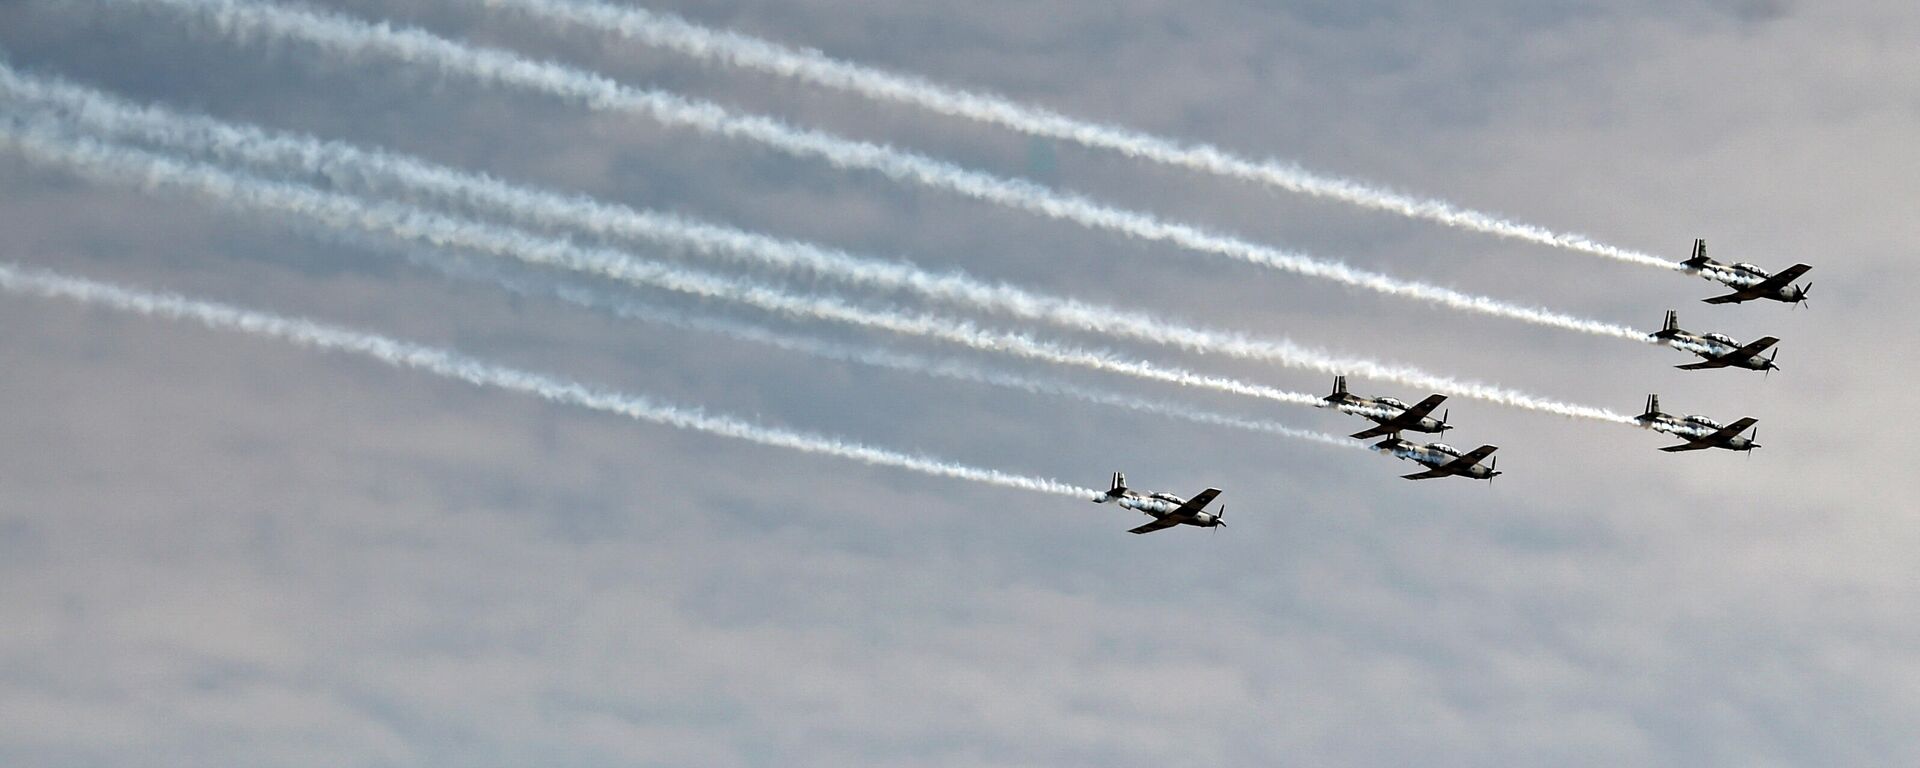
1748,281
1383,410
1742,277
1729,275
1673,425
1434,456
1159,506
1709,348
1166,509
1693,428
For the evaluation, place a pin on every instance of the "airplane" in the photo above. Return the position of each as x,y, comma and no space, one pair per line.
1441,459
1390,415
1700,432
1748,281
1716,349
1166,509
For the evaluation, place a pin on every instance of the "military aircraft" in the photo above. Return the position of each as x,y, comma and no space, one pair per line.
1716,349
1166,509
1748,281
1700,432
1389,414
1441,459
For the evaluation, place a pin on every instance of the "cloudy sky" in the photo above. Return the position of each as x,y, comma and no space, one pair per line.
218,549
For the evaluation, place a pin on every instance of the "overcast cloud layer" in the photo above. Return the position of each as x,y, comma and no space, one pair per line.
216,549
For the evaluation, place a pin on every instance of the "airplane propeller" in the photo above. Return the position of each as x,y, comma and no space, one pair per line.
1220,518
1443,419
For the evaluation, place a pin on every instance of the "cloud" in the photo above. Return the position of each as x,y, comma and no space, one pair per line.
222,551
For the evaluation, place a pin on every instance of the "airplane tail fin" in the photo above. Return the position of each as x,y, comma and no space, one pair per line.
1670,326
1339,389
1699,257
1653,407
1118,486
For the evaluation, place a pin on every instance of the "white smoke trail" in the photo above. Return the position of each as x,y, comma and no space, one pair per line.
114,164
673,33
453,365
121,165
345,165
349,37
948,368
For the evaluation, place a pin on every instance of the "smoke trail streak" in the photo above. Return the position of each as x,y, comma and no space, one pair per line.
345,165
113,164
349,37
955,369
121,165
453,365
673,33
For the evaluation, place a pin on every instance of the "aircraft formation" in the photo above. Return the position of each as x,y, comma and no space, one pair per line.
442,217
1391,416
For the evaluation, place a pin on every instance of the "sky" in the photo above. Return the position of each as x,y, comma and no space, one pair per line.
223,549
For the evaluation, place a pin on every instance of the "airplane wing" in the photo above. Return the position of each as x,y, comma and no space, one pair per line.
1744,294
1421,409
1763,288
1404,420
1758,346
1377,430
1472,457
1456,466
1781,279
1717,438
1158,524
1727,359
1195,504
